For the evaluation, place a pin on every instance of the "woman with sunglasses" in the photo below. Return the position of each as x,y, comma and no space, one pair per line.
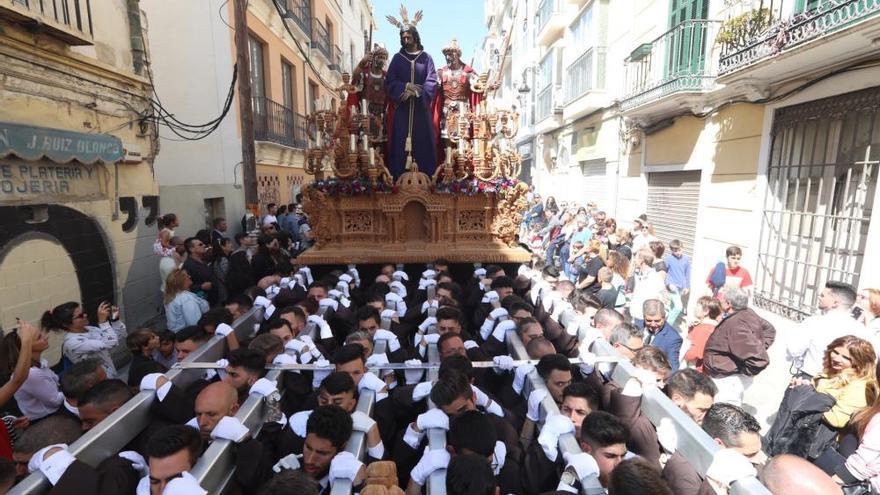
82,341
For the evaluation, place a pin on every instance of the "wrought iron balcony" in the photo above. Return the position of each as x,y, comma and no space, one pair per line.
761,33
67,20
549,21
545,105
580,77
278,124
680,60
336,59
321,39
300,12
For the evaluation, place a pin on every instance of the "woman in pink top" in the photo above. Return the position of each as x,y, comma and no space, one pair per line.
708,313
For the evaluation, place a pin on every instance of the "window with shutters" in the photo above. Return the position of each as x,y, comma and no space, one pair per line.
821,186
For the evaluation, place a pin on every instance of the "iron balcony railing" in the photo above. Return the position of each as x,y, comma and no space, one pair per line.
545,11
69,20
300,12
579,77
321,39
544,107
677,61
336,59
278,124
764,34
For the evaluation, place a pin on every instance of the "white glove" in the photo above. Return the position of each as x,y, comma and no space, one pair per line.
519,376
434,418
298,422
388,314
148,382
431,461
480,273
318,375
413,375
427,324
221,365
501,329
53,466
391,299
336,294
371,382
470,344
376,360
298,279
499,314
490,297
185,484
728,466
504,363
398,288
667,436
345,277
430,304
296,345
263,387
584,464
389,337
138,463
229,428
284,359
400,275
589,362
429,274
262,302
272,291
344,466
422,390
555,426
427,282
362,422
534,409
284,281
290,461
223,330
432,338
308,274
326,332
329,303
269,311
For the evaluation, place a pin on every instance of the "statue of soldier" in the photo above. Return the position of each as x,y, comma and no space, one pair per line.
368,82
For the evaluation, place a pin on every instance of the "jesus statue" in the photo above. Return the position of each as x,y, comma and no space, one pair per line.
410,85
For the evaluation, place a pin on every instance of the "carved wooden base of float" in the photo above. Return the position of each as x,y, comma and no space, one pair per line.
415,225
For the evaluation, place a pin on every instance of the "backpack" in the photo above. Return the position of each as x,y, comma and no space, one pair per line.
718,277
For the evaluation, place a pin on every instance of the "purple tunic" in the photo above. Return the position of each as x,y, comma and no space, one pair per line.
423,146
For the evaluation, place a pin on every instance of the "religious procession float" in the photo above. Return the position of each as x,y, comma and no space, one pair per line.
417,164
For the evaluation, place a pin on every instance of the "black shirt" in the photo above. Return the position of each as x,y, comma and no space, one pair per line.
200,273
591,268
608,297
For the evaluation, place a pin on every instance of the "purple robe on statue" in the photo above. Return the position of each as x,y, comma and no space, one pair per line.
400,72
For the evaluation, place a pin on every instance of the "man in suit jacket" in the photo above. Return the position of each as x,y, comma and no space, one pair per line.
659,333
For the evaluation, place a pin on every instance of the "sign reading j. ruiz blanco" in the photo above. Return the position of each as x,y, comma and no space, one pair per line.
47,181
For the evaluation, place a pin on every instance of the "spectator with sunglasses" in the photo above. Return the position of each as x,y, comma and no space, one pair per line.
82,341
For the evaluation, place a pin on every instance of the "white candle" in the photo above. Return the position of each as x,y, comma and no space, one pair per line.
461,108
364,107
318,136
461,146
448,155
478,109
351,142
372,157
366,142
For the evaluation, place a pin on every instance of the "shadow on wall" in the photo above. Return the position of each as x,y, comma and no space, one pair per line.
79,235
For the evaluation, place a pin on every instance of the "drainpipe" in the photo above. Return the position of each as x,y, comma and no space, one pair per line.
137,38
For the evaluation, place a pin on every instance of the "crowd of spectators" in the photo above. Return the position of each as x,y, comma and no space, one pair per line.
699,347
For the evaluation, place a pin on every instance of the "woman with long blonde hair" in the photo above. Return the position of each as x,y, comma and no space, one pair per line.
182,307
849,376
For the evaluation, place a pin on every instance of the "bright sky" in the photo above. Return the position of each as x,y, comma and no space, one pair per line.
442,21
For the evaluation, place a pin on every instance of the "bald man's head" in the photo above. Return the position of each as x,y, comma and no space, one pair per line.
215,401
539,347
791,475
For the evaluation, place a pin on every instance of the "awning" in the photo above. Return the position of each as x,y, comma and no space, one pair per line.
60,146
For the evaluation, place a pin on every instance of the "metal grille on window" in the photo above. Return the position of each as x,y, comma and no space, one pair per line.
673,202
821,187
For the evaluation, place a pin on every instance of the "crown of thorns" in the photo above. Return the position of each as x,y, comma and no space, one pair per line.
405,24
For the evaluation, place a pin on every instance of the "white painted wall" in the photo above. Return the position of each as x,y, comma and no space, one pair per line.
191,51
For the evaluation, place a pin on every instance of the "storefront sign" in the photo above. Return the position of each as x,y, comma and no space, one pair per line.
48,182
34,143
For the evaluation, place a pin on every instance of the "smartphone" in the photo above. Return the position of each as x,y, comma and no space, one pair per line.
856,312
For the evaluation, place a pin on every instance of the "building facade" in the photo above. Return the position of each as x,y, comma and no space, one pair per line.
742,123
79,199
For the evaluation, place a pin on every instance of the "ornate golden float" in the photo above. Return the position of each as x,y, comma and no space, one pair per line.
470,210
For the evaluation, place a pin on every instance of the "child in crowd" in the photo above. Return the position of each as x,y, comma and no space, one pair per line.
707,316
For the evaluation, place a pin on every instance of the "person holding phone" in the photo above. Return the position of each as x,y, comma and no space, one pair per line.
82,341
